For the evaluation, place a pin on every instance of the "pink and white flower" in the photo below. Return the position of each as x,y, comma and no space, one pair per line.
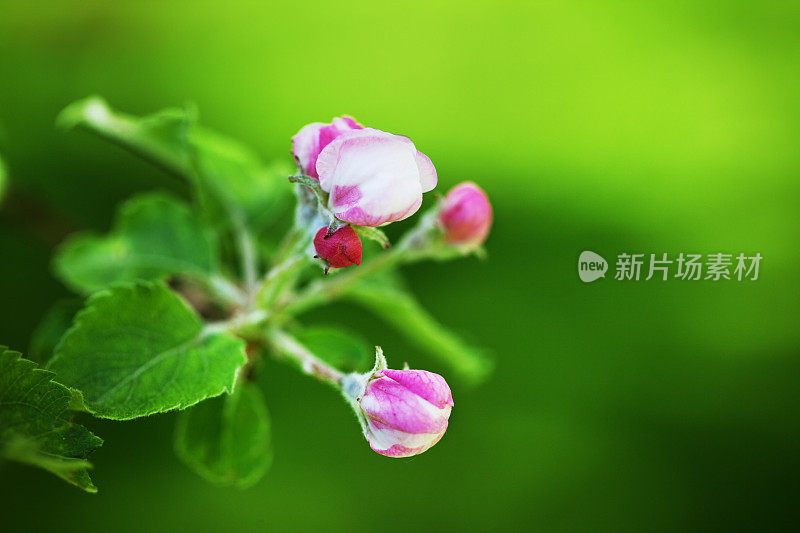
312,138
374,177
405,411
466,215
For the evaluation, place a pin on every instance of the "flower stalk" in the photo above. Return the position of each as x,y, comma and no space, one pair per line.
312,365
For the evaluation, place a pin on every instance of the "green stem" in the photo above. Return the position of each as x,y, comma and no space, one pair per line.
225,290
284,274
279,281
288,245
320,292
236,323
248,259
309,363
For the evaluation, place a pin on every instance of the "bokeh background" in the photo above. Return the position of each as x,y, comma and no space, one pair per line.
613,127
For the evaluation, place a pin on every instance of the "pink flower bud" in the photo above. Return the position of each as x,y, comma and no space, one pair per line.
406,411
341,249
466,215
312,138
374,177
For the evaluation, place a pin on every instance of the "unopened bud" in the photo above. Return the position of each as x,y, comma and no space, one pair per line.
340,249
403,412
466,215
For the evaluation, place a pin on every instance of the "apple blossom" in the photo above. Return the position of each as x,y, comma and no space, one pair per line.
340,249
466,215
403,412
374,177
312,138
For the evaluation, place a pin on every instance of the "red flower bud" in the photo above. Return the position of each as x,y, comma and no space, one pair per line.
341,249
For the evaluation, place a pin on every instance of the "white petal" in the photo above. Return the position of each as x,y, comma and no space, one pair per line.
384,168
305,144
384,438
427,172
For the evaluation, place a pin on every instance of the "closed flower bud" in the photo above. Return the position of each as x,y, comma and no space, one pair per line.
466,215
404,412
374,177
312,138
341,249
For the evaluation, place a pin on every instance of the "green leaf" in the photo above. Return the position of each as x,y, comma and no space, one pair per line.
339,348
52,327
162,138
230,178
155,235
138,349
408,316
35,426
227,439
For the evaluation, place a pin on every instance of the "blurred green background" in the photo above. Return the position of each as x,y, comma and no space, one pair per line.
613,127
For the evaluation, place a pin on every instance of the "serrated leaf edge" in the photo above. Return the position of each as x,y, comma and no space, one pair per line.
47,376
133,285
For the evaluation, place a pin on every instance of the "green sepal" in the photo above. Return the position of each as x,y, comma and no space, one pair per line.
373,234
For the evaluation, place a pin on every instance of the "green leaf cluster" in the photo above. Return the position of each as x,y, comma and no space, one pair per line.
136,347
